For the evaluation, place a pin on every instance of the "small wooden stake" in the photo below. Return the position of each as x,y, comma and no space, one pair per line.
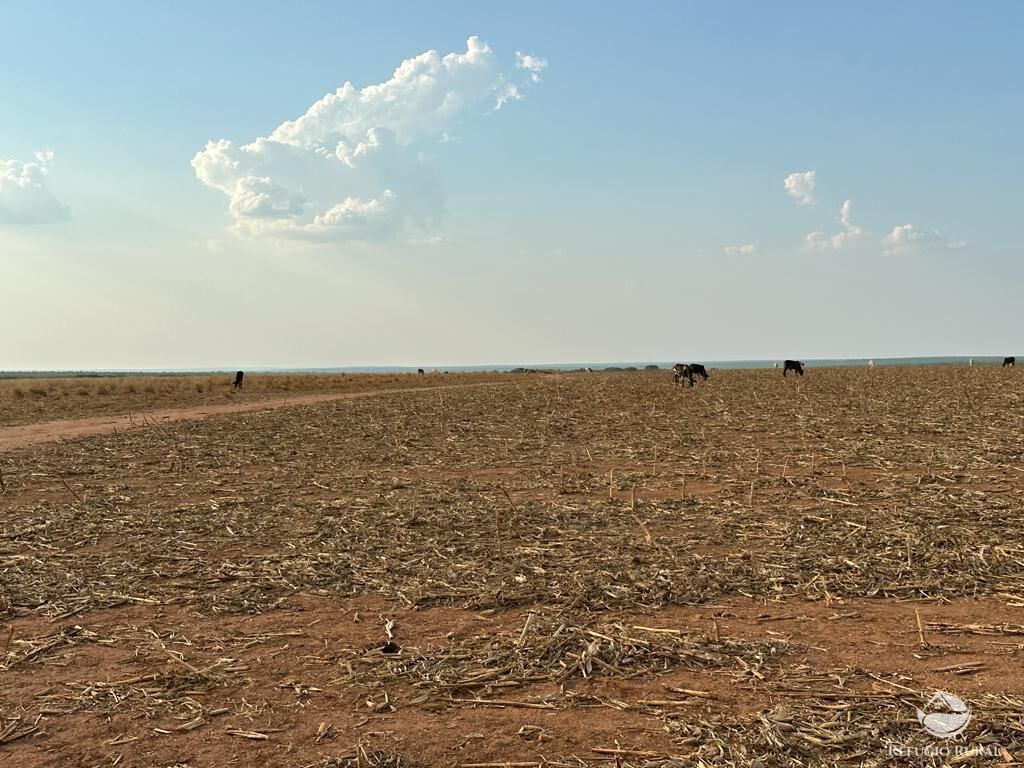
632,509
415,506
611,479
920,627
497,528
526,628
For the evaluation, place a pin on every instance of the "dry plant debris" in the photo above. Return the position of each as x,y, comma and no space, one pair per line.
567,570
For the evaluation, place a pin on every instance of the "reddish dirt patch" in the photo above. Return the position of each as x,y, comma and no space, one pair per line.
291,688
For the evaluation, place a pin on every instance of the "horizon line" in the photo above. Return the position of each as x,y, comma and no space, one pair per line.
762,362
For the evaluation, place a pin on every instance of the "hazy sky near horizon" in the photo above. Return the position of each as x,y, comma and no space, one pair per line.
321,184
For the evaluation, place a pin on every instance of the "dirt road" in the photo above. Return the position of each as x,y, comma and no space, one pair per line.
64,429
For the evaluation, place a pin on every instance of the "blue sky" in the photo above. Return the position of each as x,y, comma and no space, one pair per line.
628,205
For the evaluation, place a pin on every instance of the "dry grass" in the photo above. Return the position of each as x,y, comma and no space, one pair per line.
574,570
24,401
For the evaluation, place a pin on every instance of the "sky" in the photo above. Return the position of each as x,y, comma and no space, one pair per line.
243,184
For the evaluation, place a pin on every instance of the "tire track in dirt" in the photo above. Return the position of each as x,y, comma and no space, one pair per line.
24,435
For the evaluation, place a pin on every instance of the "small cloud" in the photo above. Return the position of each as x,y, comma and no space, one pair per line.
25,197
800,186
45,158
741,250
215,246
509,92
905,238
532,64
851,234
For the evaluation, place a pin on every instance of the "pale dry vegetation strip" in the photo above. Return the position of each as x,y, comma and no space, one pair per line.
26,401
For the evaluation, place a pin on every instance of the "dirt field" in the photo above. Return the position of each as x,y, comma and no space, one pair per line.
573,570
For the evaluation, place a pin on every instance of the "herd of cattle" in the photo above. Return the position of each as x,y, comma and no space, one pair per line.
688,372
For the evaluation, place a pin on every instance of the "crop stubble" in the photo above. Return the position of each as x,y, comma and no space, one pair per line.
595,569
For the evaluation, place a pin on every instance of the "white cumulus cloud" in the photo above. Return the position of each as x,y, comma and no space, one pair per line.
532,64
801,186
905,238
741,250
355,166
25,196
819,241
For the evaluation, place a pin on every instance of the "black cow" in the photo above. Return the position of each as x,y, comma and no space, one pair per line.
1009,361
682,371
238,379
792,365
419,371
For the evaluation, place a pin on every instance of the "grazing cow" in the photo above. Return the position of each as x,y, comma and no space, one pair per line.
792,365
238,379
419,371
682,371
871,363
590,370
1009,361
